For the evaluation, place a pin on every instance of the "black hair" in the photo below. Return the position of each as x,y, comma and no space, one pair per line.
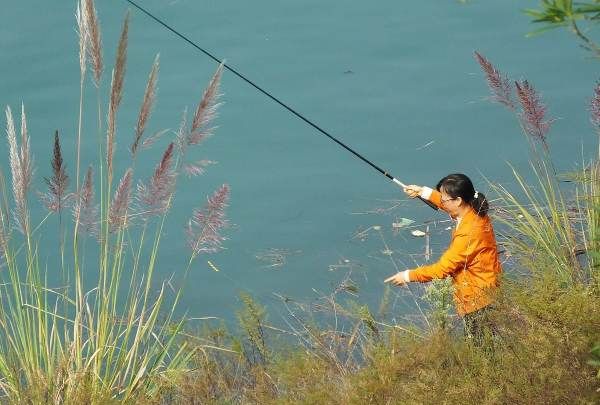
458,185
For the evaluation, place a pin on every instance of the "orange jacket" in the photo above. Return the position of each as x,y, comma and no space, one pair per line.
471,260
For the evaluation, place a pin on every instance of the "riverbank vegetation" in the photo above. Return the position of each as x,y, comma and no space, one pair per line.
107,331
547,312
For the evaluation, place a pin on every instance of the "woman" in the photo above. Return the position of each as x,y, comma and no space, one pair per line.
472,257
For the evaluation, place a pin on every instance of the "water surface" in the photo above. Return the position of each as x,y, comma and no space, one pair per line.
395,80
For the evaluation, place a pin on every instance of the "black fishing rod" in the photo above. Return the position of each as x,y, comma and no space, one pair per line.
275,99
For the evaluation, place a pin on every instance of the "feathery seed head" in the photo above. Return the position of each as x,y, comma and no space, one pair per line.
85,211
94,46
206,111
533,113
21,168
116,94
500,86
117,215
56,197
204,226
80,16
146,108
156,196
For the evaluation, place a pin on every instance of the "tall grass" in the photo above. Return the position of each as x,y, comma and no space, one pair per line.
106,331
552,224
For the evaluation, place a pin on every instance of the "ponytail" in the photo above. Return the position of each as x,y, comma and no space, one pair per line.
480,204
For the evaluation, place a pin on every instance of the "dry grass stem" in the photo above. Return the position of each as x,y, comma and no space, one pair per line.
3,233
146,108
94,47
116,94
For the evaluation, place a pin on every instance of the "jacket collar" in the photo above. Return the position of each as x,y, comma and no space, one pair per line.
470,214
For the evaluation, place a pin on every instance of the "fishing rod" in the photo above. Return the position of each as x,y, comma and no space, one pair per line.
275,99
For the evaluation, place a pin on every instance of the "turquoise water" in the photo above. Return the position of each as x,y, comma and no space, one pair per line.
395,80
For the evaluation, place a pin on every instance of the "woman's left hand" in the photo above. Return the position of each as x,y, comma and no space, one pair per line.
400,278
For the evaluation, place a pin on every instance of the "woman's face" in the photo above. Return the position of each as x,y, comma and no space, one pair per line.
450,204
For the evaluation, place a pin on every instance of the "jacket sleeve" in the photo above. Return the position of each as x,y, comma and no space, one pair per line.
433,196
454,259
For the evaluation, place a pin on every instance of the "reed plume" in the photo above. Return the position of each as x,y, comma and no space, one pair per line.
117,215
94,47
82,32
197,168
595,108
182,133
56,197
200,128
499,85
204,226
533,112
206,111
26,160
156,196
21,168
146,108
116,94
148,142
85,211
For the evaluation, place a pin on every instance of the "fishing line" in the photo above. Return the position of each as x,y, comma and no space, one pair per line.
272,97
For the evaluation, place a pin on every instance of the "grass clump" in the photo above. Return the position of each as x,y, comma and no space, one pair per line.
92,325
542,356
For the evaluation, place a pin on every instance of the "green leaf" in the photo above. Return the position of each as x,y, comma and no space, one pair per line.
542,30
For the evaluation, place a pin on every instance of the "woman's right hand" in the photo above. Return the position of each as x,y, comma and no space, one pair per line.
413,191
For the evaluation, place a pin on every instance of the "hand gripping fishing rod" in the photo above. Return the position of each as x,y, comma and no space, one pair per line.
275,99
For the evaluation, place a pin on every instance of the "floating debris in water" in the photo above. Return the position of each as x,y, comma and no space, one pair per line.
426,145
418,233
275,257
341,264
349,287
363,234
402,222
387,252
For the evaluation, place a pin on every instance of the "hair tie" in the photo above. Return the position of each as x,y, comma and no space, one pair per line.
476,194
